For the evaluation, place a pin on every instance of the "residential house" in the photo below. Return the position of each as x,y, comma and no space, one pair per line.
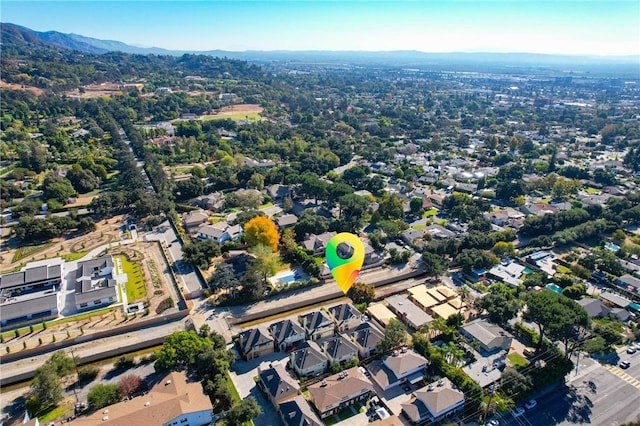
308,360
433,403
422,298
615,300
491,337
318,243
400,367
407,312
214,201
594,307
439,232
220,232
509,273
317,325
298,412
277,383
95,283
346,316
254,343
31,294
366,337
192,220
286,220
371,258
338,349
629,282
538,209
172,401
379,312
413,236
287,334
278,192
340,391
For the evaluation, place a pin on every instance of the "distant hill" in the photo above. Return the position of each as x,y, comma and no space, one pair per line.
17,35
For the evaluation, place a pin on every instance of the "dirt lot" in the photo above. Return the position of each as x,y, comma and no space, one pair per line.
106,231
240,109
36,91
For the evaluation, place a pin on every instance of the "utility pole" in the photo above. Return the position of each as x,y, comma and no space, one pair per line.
492,391
75,393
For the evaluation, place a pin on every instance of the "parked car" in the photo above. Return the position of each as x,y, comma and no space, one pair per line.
625,364
631,350
491,423
530,404
517,412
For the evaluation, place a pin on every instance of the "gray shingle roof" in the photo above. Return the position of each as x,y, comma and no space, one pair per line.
307,355
281,330
278,382
338,346
251,338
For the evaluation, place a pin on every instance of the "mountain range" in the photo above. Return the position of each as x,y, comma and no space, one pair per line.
17,35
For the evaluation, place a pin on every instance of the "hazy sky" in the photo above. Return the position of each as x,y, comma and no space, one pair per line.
599,27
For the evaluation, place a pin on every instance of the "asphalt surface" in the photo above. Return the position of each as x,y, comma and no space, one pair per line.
598,394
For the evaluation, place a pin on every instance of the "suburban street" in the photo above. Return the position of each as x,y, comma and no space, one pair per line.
598,395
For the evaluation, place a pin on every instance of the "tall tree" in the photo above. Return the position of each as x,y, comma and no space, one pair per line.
395,334
243,411
557,317
501,304
361,293
262,231
266,263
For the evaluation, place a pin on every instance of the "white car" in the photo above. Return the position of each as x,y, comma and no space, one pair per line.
530,404
517,412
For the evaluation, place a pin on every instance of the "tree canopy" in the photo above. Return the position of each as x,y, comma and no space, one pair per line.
262,231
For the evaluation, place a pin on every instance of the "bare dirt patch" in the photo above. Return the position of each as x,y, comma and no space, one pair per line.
240,109
106,231
13,86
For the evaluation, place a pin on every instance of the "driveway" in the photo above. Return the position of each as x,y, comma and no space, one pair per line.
242,374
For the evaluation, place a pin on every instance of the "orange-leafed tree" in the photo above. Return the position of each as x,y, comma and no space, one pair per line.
262,230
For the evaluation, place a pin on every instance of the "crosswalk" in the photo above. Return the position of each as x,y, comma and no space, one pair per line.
624,376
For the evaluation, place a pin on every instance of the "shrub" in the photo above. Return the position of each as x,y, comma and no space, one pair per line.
102,395
87,374
123,362
164,305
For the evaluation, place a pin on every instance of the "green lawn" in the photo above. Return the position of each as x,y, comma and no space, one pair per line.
70,257
418,227
591,190
517,360
55,412
81,317
563,269
251,117
136,288
431,212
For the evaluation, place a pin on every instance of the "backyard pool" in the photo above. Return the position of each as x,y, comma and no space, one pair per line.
284,278
613,247
555,288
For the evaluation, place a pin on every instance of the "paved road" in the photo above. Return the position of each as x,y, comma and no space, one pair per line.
187,277
328,289
598,395
85,349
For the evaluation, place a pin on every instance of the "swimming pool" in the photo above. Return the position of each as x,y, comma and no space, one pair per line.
554,288
288,278
613,247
